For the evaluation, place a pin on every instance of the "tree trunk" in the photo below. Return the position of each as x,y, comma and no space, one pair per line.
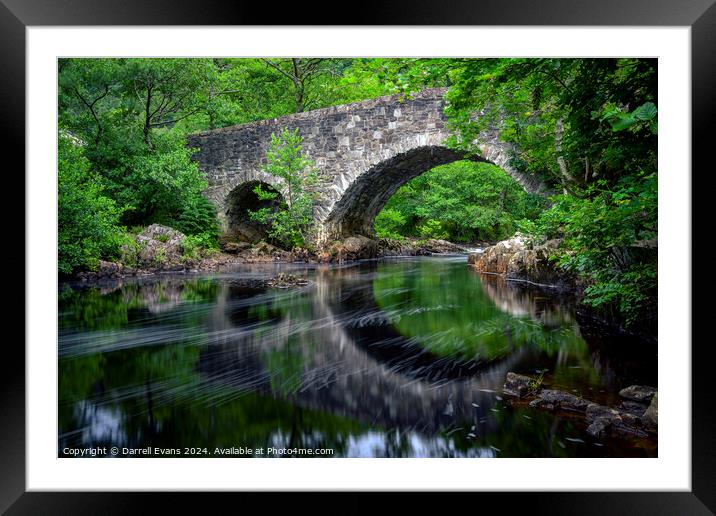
148,117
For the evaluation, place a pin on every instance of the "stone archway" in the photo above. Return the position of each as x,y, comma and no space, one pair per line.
239,203
363,152
355,212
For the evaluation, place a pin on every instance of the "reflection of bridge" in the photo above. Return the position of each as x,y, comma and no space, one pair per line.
363,152
338,367
328,349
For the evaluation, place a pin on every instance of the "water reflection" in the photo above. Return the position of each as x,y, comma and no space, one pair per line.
396,358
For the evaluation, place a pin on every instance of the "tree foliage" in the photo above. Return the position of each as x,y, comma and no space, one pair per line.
291,223
463,202
587,127
87,220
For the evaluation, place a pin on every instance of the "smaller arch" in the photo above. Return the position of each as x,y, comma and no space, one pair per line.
239,202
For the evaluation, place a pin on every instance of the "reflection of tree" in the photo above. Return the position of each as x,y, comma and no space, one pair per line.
456,315
229,365
538,436
286,366
159,391
514,299
111,307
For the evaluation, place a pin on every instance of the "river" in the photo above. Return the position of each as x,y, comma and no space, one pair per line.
401,357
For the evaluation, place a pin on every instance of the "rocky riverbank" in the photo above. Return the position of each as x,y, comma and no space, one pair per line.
519,258
522,260
160,249
636,416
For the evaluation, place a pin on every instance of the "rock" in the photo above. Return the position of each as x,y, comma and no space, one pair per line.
558,400
438,246
519,385
300,255
355,247
518,258
323,257
473,258
404,247
606,421
651,416
535,265
639,393
235,247
414,247
360,245
496,259
265,249
630,420
108,269
284,280
555,243
159,247
632,407
595,411
598,428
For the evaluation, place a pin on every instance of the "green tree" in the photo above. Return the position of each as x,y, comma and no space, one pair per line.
588,127
291,223
463,201
88,220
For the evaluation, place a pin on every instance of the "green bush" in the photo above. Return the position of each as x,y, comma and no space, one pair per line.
88,220
198,218
606,235
388,224
432,228
291,224
195,247
463,201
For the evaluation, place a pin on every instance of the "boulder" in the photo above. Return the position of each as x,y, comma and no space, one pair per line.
404,247
631,419
535,265
558,400
301,255
598,428
265,249
108,269
323,257
158,247
632,407
638,393
234,247
520,259
651,416
519,385
355,247
285,280
605,421
496,259
595,411
438,246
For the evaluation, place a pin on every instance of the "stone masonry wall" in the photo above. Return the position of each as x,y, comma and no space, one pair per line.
386,136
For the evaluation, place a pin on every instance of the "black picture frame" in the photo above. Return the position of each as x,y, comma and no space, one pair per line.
700,15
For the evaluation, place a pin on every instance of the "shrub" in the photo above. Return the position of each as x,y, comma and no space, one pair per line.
198,217
290,224
389,223
88,221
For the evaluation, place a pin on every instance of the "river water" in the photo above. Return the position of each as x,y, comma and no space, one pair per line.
401,357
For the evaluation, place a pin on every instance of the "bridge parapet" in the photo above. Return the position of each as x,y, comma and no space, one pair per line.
363,151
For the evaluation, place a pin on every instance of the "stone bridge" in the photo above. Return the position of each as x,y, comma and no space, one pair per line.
363,152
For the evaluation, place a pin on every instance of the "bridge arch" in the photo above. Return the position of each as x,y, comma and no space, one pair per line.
242,200
362,201
363,151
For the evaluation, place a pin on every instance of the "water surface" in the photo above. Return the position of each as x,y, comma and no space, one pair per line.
402,357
